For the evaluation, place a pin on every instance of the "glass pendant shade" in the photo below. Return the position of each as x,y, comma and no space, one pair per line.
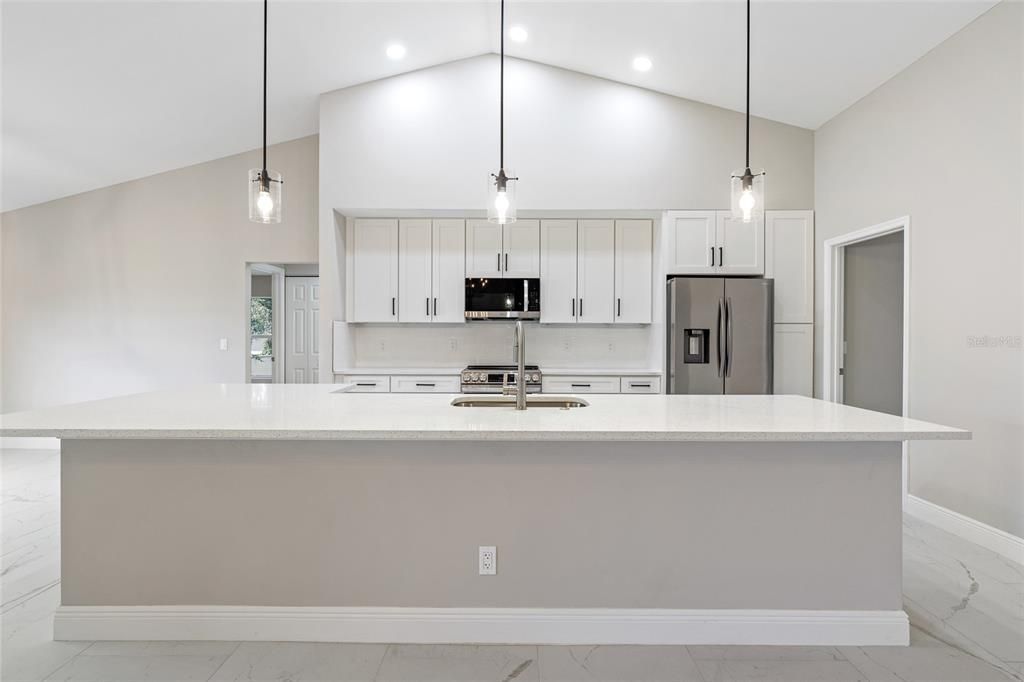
501,198
264,196
748,195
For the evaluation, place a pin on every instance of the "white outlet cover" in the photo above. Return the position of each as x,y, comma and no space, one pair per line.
223,344
488,563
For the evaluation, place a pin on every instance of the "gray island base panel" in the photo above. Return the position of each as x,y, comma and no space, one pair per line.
597,542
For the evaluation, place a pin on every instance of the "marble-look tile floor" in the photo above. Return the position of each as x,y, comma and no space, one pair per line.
966,605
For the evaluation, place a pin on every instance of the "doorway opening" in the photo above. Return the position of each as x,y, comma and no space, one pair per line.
283,319
866,360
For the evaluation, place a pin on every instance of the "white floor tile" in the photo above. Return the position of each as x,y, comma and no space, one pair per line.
617,664
302,662
28,652
737,670
167,668
450,663
765,653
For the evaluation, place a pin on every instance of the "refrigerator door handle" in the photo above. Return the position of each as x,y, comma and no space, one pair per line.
728,337
719,337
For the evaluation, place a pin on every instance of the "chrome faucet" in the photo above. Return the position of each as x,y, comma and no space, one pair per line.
519,355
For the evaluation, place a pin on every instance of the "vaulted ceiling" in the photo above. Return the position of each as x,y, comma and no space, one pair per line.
96,93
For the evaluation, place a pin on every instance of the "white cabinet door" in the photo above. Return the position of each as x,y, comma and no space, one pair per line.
484,257
372,278
414,270
595,272
633,262
789,260
794,359
302,330
740,246
690,240
558,271
448,289
521,249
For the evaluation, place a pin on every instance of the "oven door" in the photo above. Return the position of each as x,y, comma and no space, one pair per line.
502,299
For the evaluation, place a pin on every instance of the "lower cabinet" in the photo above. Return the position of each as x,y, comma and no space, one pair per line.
580,384
425,384
367,384
794,359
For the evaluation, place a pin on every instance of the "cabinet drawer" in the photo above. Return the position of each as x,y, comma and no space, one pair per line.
580,384
425,384
641,384
367,383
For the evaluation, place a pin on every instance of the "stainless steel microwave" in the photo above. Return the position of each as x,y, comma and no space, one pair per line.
502,299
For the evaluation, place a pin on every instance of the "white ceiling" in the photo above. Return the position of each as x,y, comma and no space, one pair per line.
96,93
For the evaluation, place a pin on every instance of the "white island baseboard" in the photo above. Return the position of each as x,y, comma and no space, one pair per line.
482,625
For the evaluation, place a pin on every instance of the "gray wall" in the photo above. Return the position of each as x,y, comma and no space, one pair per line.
627,525
942,142
86,306
873,324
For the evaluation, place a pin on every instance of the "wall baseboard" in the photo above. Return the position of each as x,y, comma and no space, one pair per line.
24,443
999,541
482,625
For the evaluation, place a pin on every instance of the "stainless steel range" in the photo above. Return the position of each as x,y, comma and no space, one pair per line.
489,378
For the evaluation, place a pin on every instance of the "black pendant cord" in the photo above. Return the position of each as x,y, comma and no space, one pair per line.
264,88
501,96
748,84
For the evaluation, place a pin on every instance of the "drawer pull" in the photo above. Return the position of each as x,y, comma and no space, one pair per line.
366,383
633,385
581,385
426,385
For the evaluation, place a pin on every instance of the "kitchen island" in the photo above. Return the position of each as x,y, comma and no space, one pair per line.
298,512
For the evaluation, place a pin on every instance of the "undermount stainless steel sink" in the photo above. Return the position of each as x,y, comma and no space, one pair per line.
563,402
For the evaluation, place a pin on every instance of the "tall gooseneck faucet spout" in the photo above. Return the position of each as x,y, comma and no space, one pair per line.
519,353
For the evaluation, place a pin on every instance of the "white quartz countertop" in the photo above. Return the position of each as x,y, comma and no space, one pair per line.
321,412
455,371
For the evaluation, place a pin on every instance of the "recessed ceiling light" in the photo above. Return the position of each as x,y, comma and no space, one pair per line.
518,34
642,63
395,51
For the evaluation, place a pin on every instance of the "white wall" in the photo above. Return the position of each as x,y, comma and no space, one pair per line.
942,142
426,141
129,288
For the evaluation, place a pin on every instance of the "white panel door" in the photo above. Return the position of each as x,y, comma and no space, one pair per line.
595,272
794,359
558,271
690,238
634,242
372,245
484,257
740,246
789,260
448,289
414,279
301,330
521,255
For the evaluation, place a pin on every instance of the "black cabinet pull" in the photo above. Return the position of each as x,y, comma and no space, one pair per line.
721,257
580,385
574,307
581,307
499,262
619,312
426,385
392,305
367,383
435,306
506,262
712,256
634,385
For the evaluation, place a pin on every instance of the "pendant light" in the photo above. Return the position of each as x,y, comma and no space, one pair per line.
747,185
501,204
264,185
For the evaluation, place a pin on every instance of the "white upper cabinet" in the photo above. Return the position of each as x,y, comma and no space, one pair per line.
511,250
713,243
691,238
558,271
448,289
372,270
634,242
595,269
414,265
789,260
740,246
521,249
484,254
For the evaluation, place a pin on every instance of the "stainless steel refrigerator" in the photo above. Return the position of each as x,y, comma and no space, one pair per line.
720,335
